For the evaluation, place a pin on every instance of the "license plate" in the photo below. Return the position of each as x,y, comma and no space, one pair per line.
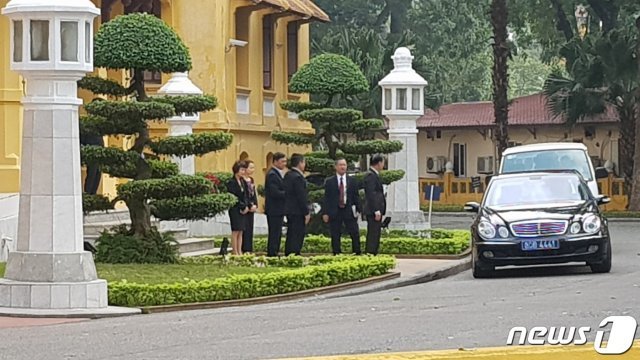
532,245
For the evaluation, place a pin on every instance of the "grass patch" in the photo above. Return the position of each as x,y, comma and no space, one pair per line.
212,278
174,273
170,273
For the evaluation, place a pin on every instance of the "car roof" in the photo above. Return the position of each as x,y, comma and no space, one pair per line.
521,174
545,146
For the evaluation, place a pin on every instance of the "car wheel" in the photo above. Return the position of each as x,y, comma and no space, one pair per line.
481,270
605,265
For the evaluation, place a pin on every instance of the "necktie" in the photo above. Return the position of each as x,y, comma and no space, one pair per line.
341,201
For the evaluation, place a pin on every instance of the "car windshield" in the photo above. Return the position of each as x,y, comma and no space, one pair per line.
536,190
544,160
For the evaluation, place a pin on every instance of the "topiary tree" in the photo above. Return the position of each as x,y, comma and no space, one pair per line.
331,79
138,43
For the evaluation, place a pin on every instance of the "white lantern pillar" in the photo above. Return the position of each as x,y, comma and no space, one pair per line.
403,104
50,274
182,124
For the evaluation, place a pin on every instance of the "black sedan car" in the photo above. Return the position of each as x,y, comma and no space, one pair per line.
539,218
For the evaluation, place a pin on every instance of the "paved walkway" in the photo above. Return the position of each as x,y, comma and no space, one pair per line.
413,267
14,322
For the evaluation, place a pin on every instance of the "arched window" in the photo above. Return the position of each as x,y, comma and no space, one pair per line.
269,162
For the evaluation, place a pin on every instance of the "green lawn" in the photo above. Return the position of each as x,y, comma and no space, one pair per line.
169,274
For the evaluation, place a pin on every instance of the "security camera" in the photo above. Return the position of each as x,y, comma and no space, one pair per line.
236,42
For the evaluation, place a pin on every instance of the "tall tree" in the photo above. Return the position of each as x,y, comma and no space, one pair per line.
141,42
602,72
634,198
499,21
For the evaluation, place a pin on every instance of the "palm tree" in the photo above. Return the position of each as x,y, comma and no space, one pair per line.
499,15
602,72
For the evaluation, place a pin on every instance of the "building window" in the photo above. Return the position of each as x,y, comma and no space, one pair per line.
152,77
242,53
267,52
460,160
292,49
154,8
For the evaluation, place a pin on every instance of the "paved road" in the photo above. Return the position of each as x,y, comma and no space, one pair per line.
450,313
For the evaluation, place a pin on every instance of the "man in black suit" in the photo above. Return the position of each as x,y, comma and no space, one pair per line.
375,203
296,205
274,197
341,205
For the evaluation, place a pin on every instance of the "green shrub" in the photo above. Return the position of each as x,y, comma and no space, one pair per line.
443,208
120,246
250,285
390,244
622,214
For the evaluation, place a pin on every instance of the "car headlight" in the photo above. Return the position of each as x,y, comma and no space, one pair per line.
575,228
591,224
503,232
486,230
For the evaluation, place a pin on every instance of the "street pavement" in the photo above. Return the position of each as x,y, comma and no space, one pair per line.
452,313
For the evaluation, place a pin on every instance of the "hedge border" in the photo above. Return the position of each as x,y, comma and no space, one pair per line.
271,298
390,245
245,286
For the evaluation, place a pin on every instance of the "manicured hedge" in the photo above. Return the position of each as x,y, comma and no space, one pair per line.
326,273
442,242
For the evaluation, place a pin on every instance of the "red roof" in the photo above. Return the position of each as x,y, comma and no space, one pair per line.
526,110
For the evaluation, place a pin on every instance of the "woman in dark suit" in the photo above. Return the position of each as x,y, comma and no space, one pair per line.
237,214
252,195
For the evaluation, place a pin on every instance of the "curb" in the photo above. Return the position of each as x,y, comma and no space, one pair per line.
462,255
268,299
420,278
624,220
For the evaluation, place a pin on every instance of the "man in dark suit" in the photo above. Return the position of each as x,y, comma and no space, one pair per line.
341,205
296,205
274,197
375,203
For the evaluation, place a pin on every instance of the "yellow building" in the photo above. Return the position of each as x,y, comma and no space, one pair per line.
249,81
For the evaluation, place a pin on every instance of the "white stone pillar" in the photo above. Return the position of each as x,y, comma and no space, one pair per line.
402,192
182,124
403,104
50,273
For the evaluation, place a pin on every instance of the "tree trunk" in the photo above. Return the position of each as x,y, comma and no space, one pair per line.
139,211
627,144
634,196
140,215
499,14
562,23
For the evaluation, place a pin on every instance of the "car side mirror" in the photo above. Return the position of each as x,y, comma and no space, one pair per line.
602,173
603,200
473,207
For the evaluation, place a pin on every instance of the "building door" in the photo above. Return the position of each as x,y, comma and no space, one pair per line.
460,160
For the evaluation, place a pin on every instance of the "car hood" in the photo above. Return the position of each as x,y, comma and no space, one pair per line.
551,212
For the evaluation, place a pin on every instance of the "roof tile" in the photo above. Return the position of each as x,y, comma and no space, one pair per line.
526,110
